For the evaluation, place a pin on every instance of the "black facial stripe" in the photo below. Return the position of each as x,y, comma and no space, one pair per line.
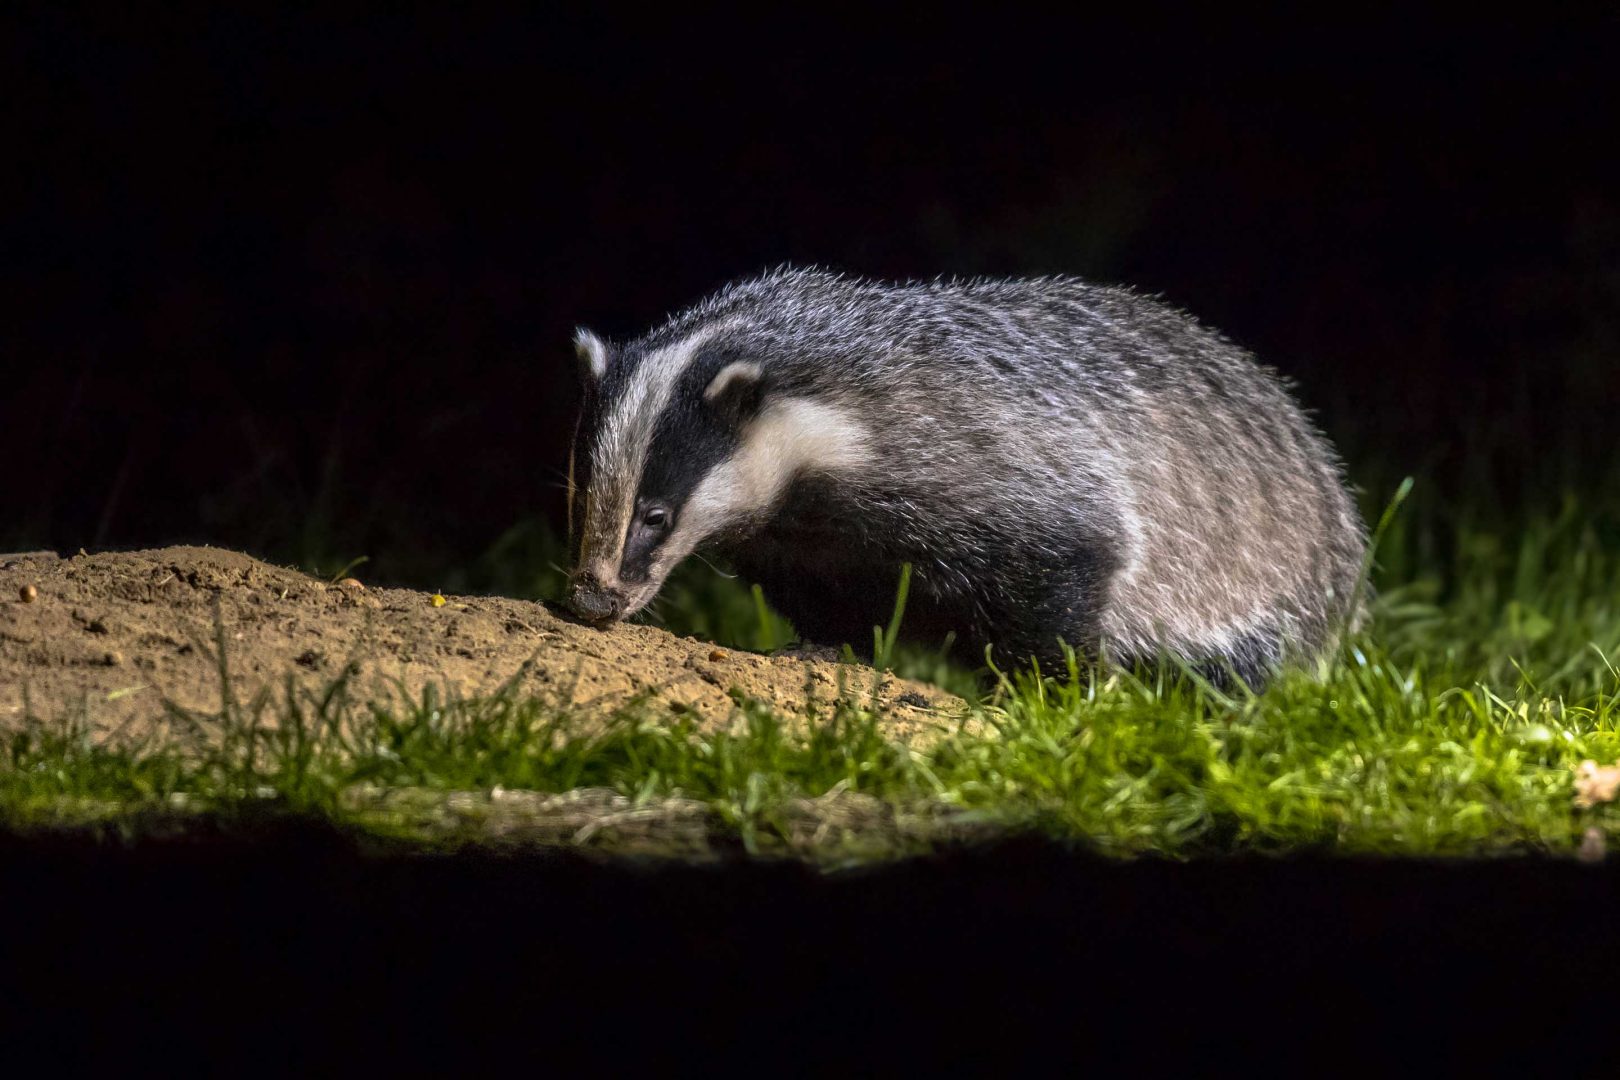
602,393
689,440
640,545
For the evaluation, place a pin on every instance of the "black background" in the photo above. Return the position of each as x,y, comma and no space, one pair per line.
303,281
286,951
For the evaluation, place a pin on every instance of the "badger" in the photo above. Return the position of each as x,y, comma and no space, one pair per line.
1061,463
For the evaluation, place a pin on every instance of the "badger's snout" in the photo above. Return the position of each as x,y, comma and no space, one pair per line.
591,600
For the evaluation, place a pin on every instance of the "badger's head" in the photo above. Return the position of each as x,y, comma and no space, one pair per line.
680,442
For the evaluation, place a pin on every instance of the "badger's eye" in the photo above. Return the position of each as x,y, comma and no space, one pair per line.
655,517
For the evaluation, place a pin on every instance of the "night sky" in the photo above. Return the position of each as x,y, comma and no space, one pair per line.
306,282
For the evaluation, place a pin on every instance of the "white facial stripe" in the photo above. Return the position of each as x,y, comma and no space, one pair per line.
788,439
620,453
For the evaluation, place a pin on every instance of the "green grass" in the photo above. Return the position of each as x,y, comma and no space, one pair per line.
1452,725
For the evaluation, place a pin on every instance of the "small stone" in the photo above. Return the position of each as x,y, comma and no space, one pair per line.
28,594
716,655
351,583
113,659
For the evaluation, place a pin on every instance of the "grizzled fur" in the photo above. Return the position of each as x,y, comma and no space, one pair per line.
1057,460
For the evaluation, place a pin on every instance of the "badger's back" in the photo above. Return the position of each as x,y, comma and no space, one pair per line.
1056,459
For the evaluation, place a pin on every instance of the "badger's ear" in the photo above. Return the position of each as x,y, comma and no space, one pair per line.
593,354
734,392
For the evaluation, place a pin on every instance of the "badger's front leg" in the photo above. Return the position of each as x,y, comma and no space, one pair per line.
826,614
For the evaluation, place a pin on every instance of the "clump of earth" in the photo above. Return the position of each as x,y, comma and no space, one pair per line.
113,637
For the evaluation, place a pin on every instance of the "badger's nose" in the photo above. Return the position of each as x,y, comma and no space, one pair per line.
591,601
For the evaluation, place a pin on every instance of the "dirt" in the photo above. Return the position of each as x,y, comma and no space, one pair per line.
115,635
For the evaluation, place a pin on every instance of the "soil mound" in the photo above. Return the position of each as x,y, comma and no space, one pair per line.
112,636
